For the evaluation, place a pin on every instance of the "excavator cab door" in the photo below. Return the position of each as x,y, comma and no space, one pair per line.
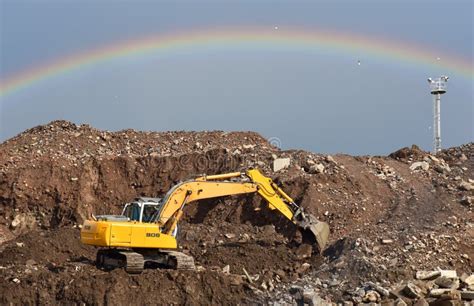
132,211
149,212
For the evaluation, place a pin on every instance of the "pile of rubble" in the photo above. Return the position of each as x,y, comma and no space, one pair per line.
455,178
78,144
438,287
390,217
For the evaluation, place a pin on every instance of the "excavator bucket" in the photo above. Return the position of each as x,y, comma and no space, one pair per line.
317,231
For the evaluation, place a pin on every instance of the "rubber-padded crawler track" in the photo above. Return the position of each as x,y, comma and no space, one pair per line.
134,262
180,261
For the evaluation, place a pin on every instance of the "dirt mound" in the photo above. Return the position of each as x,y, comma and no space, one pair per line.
406,153
389,217
78,143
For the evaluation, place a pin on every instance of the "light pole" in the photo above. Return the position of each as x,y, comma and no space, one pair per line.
438,87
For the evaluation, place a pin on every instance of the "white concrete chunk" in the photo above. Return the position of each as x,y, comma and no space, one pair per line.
449,273
280,163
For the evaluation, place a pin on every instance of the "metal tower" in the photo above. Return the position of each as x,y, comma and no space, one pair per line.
438,87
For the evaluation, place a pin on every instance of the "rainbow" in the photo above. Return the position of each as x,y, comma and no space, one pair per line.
291,38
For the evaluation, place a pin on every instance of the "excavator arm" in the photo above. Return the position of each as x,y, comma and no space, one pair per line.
194,190
252,181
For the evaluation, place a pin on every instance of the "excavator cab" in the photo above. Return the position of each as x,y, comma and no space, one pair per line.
142,209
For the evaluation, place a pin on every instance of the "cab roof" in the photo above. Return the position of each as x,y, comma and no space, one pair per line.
147,199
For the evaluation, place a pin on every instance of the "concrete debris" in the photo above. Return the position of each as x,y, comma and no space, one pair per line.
467,280
444,282
384,292
450,294
371,296
307,296
467,186
433,158
249,146
23,222
226,269
427,275
412,291
418,292
467,295
247,275
280,163
317,168
420,165
448,273
442,168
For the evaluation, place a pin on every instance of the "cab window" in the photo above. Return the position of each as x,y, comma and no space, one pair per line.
148,212
132,211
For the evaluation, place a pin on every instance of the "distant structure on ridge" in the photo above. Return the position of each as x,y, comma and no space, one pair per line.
438,87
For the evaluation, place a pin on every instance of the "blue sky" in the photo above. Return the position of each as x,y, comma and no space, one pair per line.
321,102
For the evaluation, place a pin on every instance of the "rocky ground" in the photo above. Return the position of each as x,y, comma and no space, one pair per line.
402,226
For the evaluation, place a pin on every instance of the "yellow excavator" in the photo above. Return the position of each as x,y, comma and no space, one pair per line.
145,233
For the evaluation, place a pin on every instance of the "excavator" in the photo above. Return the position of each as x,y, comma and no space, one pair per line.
145,234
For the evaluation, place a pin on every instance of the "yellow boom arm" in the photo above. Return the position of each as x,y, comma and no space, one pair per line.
212,186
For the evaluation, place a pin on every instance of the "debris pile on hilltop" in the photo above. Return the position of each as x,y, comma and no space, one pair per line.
77,144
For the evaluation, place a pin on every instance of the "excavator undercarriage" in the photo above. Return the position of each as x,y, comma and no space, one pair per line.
134,261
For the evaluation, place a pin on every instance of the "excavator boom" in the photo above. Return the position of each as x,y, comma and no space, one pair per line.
212,186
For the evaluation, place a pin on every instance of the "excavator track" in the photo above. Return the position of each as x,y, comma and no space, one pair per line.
134,263
179,261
